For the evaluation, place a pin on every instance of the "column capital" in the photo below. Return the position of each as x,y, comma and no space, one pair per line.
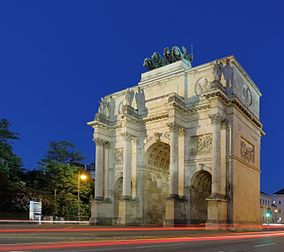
127,136
181,131
224,124
107,144
217,118
99,141
176,128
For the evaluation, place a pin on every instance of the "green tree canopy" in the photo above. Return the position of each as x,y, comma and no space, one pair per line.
63,152
11,172
61,167
10,163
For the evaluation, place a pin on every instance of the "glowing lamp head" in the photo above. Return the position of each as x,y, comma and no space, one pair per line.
83,177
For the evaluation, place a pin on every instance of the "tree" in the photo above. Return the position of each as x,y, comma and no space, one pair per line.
63,152
11,172
10,163
61,166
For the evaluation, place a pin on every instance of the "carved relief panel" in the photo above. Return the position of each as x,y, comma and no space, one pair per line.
247,151
118,156
201,144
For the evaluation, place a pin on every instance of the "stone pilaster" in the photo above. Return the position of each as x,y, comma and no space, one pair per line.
181,158
175,207
126,188
134,169
139,175
173,179
216,120
99,185
106,169
217,203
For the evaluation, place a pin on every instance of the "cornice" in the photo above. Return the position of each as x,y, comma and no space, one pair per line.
99,124
217,92
156,117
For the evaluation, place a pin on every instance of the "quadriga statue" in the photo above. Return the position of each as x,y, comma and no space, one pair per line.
148,63
176,54
158,60
168,56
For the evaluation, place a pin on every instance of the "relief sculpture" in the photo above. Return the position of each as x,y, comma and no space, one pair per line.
201,144
118,155
247,151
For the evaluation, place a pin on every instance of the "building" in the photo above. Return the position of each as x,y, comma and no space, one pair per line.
182,146
278,201
271,204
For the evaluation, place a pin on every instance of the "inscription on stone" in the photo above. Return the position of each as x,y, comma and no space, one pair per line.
201,144
247,151
118,155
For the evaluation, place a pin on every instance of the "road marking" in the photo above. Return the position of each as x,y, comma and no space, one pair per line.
263,245
156,246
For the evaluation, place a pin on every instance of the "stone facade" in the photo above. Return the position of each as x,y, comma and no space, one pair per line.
183,146
274,204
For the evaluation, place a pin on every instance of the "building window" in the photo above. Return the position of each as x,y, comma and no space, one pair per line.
279,202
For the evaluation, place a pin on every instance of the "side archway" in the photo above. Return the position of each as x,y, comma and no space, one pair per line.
155,183
117,196
199,192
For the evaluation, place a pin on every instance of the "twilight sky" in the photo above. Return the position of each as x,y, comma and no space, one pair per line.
57,58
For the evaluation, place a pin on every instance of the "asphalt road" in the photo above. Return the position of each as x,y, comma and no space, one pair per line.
84,238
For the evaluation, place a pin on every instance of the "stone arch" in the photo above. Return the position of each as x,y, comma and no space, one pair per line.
156,138
117,196
155,182
200,190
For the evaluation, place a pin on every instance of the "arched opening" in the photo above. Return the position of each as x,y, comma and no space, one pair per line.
199,191
155,183
117,196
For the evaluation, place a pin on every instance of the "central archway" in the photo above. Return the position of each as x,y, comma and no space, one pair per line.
199,192
155,183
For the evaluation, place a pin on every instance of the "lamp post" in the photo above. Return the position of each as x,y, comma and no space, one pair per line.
80,177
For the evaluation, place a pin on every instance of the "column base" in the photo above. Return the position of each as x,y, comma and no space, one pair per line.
175,211
127,212
217,212
101,212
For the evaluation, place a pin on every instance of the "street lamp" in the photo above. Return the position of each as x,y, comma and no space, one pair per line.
268,214
80,177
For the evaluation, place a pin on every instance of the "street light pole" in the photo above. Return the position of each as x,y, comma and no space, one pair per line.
83,177
78,196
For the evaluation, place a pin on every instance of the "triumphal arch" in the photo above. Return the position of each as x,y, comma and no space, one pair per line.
181,146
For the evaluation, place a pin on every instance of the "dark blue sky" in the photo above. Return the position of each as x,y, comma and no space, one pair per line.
57,58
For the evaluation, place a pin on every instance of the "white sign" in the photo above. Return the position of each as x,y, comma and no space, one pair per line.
35,211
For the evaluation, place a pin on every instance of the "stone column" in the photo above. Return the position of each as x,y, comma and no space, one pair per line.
173,179
139,175
224,151
99,169
217,203
181,156
216,120
126,188
106,169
